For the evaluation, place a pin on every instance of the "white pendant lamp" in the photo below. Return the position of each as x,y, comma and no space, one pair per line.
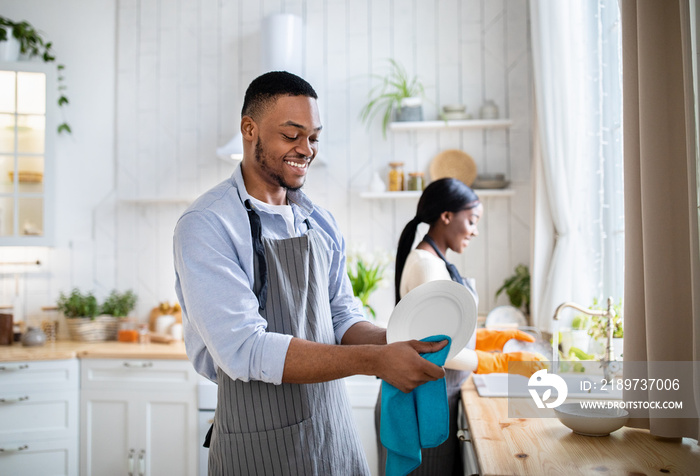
280,50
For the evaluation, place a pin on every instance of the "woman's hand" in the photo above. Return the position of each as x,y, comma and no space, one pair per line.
491,339
401,365
523,363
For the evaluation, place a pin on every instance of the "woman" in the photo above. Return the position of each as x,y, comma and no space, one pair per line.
452,210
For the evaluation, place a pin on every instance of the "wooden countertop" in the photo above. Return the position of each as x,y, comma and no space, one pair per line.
537,446
92,350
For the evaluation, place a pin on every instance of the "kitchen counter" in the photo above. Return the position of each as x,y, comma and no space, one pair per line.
92,350
536,446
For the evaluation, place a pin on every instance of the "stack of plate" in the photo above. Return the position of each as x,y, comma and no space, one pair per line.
453,112
490,181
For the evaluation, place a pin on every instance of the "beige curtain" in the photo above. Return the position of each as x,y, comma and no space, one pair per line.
662,289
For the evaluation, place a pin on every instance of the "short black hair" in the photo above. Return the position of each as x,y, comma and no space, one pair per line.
264,89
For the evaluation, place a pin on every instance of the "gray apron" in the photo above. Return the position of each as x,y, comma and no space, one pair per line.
446,459
288,429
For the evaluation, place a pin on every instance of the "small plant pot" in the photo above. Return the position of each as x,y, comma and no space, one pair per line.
9,50
411,109
100,329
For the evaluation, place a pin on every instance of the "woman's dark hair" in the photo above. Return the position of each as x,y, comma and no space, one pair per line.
267,87
444,195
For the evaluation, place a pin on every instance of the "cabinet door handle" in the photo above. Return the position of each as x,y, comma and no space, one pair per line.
14,399
9,368
463,435
142,463
13,450
141,365
130,462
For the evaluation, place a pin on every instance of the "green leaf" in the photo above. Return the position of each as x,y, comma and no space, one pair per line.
62,101
64,128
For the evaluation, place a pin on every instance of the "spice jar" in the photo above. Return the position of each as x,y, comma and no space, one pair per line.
396,176
415,181
144,334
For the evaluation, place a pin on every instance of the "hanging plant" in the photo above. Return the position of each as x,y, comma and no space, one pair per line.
32,44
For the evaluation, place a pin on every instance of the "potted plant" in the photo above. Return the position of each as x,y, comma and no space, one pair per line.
398,94
9,45
517,288
80,310
365,277
32,44
119,304
599,333
115,308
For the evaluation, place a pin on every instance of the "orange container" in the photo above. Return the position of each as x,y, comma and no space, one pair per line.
128,335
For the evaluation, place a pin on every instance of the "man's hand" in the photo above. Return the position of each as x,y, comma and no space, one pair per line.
491,339
401,365
497,362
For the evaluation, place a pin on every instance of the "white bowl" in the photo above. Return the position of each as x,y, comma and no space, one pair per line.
591,421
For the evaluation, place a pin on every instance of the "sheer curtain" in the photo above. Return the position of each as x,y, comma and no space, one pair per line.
578,155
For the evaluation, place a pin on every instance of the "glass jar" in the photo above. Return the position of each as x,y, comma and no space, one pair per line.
415,181
128,331
144,334
396,176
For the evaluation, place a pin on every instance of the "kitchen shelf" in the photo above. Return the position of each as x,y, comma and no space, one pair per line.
464,124
481,192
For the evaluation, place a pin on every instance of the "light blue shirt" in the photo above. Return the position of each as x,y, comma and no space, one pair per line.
214,279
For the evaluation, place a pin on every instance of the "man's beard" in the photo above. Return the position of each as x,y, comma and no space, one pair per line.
262,159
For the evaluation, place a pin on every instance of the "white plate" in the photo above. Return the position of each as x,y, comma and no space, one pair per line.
505,316
436,307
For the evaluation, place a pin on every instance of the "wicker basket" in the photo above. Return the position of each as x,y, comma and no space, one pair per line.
99,329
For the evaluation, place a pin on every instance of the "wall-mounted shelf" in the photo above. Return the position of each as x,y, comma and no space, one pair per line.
465,124
481,192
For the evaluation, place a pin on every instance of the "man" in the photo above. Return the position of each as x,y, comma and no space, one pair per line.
260,275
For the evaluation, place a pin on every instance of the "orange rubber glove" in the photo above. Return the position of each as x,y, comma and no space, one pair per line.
491,339
497,362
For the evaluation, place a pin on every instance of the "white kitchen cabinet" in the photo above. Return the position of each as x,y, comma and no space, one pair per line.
138,417
39,414
27,131
362,393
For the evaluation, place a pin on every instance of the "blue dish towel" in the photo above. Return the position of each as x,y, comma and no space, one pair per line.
415,420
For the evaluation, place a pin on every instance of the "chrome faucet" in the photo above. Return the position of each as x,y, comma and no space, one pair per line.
609,315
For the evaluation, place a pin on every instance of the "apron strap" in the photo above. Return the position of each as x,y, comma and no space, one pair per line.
260,264
260,288
452,269
207,439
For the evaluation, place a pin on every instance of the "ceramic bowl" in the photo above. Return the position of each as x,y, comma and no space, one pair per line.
591,421
486,176
454,108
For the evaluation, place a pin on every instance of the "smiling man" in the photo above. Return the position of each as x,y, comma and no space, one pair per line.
260,275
